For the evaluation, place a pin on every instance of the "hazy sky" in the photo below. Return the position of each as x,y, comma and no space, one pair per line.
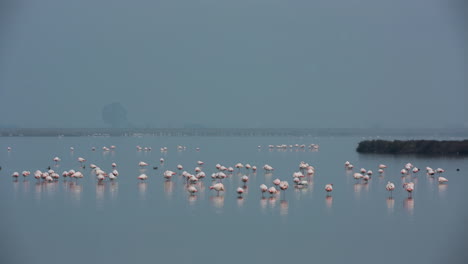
255,63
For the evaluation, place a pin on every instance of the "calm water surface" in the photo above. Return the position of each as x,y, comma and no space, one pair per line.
127,221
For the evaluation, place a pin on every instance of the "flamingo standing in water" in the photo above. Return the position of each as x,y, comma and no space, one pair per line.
81,160
245,179
240,191
409,187
284,186
390,187
142,164
329,188
442,180
57,160
217,187
192,190
143,177
263,189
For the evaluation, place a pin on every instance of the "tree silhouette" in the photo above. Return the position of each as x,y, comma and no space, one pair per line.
115,115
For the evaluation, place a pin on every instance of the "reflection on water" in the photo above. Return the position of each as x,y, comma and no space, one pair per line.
100,188
114,189
240,201
272,201
390,204
25,186
263,203
218,202
408,204
284,206
142,190
76,190
192,199
168,188
442,187
329,201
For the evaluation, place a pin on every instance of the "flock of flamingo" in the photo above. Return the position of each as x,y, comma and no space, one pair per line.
223,172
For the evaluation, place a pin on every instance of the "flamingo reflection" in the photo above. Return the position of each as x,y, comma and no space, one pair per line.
408,204
390,204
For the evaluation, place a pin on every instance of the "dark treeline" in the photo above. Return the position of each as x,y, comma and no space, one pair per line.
414,147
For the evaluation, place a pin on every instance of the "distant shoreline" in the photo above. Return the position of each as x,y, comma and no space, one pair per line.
426,147
80,132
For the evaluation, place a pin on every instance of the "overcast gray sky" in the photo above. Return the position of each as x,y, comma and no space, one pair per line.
255,63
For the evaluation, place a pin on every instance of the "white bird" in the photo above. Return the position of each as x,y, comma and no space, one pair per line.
143,177
329,187
100,177
180,167
15,174
112,177
115,173
114,164
409,187
192,190
276,182
390,187
357,176
56,159
272,190
245,179
142,164
263,188
200,162
240,191
217,187
382,166
442,180
284,185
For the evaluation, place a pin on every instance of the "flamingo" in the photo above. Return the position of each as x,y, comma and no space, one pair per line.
329,187
357,176
254,168
200,162
240,191
192,190
112,177
245,179
272,190
15,175
180,167
26,173
81,160
239,166
382,166
248,166
409,187
100,177
168,174
57,160
390,187
442,180
143,177
115,173
276,182
284,186
217,187
263,189
347,163
200,175
142,164
114,164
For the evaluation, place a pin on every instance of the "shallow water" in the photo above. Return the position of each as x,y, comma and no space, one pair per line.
157,221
